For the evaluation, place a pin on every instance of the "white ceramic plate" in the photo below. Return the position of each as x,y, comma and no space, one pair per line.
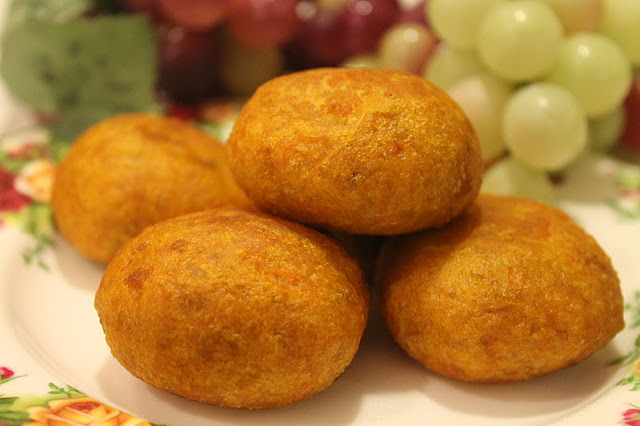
52,347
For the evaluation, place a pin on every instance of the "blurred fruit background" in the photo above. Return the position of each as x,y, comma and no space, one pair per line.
543,81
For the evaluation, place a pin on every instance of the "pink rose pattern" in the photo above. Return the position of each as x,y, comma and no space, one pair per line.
631,417
6,373
18,207
62,405
10,198
12,201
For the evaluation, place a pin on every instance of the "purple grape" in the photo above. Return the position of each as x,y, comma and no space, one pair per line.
318,41
197,15
188,62
263,23
363,22
415,13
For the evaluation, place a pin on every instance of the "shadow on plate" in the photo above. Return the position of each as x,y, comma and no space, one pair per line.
379,368
552,395
382,382
589,181
78,271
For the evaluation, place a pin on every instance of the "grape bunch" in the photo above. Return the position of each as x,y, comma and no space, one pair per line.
210,48
541,80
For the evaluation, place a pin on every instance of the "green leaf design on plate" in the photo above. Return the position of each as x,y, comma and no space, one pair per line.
628,178
37,221
9,379
14,417
6,403
633,380
631,357
66,391
11,417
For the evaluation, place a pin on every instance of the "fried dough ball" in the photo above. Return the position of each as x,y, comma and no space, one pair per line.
132,170
363,151
510,290
233,308
363,248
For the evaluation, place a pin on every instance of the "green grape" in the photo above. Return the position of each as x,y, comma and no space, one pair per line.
519,40
245,68
448,66
595,70
483,98
605,131
577,15
406,47
362,61
512,178
456,21
621,22
545,126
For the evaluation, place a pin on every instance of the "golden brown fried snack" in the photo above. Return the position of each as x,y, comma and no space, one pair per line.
364,151
132,170
363,248
233,308
510,290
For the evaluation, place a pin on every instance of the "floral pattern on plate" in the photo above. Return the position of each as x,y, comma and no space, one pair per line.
61,406
631,416
27,168
627,179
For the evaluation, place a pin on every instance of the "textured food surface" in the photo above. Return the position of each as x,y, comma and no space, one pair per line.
133,170
233,308
365,151
509,291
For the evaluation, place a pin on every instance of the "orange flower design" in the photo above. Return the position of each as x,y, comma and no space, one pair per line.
80,412
35,180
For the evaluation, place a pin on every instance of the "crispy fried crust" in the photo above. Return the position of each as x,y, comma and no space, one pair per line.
133,170
234,309
509,291
365,151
